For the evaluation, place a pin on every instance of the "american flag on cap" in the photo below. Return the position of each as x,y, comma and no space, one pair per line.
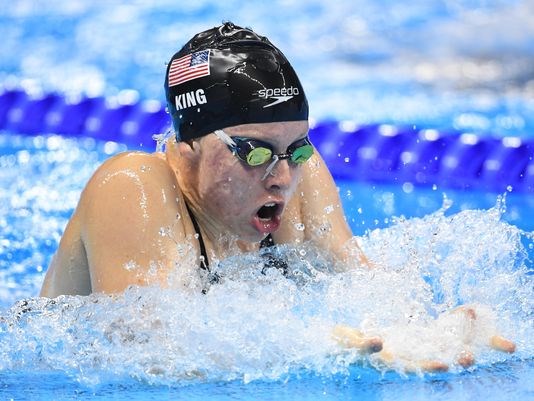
188,67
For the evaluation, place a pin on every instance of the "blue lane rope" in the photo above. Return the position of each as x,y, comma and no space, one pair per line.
375,152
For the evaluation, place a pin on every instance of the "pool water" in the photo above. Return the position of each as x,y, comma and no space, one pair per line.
463,65
153,343
500,382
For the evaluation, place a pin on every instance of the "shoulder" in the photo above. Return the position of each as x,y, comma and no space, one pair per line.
131,168
140,165
134,182
130,215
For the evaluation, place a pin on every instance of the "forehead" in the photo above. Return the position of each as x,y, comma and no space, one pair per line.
273,132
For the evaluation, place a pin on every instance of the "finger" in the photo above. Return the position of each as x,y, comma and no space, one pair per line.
432,366
352,338
425,365
468,311
502,344
466,359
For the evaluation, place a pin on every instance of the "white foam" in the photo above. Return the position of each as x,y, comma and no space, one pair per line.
254,325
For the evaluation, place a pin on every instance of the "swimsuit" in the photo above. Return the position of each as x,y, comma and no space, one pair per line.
265,244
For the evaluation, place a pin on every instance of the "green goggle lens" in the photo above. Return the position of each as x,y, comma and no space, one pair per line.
255,152
258,156
302,154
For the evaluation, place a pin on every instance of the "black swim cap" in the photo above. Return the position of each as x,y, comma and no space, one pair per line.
228,76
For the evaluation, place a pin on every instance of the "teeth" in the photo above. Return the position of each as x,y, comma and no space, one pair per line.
270,204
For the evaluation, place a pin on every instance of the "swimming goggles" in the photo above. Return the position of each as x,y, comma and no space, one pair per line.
255,152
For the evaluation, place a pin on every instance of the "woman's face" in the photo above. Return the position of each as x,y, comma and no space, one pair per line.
233,194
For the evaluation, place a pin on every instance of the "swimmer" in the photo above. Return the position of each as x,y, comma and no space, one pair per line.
239,173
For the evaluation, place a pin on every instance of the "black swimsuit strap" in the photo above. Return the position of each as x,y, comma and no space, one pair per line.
267,242
271,259
204,262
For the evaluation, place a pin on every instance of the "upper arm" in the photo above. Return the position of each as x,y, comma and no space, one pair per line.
68,272
129,224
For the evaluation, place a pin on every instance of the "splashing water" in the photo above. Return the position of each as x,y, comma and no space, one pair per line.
254,325
161,139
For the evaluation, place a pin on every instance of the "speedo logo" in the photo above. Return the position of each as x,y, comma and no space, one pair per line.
279,95
190,99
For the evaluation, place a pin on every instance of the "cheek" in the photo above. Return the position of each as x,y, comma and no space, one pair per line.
225,186
229,196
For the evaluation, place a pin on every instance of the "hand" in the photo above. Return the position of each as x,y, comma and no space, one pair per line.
471,323
495,341
349,337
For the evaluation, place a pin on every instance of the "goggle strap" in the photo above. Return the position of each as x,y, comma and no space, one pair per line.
270,167
223,136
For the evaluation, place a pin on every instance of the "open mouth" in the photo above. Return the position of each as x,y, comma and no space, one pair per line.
268,211
268,217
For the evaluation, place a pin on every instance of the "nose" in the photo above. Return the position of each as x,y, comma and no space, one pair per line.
281,176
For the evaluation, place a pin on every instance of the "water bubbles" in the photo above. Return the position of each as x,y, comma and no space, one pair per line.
161,139
111,147
23,157
300,227
53,142
447,202
407,187
509,188
130,265
324,228
39,142
329,209
182,249
165,335
153,268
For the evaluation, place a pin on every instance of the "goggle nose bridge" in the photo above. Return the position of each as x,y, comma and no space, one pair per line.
270,167
283,156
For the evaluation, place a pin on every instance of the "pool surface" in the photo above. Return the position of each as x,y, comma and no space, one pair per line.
461,69
442,252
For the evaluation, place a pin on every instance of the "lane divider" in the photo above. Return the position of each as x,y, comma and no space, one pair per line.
374,152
